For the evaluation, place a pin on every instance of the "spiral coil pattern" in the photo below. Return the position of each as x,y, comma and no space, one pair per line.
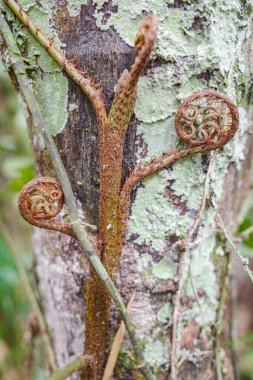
40,202
206,118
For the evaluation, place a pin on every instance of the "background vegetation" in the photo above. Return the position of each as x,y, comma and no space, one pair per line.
20,351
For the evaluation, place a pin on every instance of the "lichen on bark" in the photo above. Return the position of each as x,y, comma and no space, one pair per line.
200,45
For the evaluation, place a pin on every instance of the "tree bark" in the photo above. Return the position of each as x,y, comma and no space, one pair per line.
200,45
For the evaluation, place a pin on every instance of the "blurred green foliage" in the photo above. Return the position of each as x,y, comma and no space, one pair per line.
16,169
245,342
246,362
247,245
14,309
16,165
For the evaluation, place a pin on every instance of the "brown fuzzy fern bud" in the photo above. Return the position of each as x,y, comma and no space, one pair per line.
146,35
40,201
144,44
207,118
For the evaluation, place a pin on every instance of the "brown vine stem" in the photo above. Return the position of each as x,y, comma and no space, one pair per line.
91,90
46,341
98,302
78,228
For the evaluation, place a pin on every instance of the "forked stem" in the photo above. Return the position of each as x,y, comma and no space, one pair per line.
214,133
78,228
97,300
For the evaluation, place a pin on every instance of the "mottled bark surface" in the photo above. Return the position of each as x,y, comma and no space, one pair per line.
200,45
105,56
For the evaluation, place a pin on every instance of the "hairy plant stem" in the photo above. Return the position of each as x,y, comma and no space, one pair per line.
110,183
46,341
78,228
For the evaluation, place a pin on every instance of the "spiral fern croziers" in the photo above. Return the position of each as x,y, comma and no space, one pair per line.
206,118
40,202
205,121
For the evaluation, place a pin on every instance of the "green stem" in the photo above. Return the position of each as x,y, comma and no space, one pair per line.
78,228
70,368
32,299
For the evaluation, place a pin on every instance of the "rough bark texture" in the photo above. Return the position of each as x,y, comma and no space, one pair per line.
201,44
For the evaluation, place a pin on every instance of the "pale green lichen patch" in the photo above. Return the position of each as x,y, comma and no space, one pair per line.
154,103
50,85
194,355
49,92
159,137
165,269
201,277
74,7
190,191
188,86
201,46
72,107
43,5
37,54
233,152
155,274
27,4
156,353
154,217
129,16
164,315
175,38
145,264
222,51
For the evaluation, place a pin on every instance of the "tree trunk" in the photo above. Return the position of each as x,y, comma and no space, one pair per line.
201,44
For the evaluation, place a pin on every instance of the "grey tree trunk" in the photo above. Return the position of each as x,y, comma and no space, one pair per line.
200,44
